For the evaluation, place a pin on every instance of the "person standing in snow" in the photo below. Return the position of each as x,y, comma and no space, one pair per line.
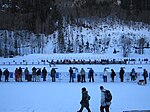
133,74
20,74
53,74
16,75
34,74
104,105
85,100
77,74
6,74
145,75
91,73
121,73
82,75
44,73
26,73
38,75
71,74
0,74
113,74
105,73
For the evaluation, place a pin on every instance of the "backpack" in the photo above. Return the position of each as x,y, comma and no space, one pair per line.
108,96
88,97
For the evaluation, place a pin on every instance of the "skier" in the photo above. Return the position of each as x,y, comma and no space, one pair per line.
6,74
71,74
44,73
0,75
85,100
121,73
53,74
104,105
113,74
91,73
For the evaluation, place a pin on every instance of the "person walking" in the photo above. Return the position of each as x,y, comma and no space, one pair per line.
53,74
6,74
82,75
145,75
105,73
44,73
113,74
121,73
85,100
91,73
1,75
104,104
71,74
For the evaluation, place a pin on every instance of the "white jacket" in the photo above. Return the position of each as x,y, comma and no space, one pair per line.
105,73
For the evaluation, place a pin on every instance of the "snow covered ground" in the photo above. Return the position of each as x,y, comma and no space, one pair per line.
62,96
65,96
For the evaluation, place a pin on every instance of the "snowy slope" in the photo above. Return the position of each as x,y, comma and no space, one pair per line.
104,30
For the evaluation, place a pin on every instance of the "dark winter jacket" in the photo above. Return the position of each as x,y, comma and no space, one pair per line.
0,72
113,74
91,71
44,72
33,71
145,74
39,72
6,73
121,73
85,99
26,71
70,71
20,71
53,72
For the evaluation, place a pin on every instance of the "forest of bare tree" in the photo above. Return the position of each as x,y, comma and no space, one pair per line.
40,16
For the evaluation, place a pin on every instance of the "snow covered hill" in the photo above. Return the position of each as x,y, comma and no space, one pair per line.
88,36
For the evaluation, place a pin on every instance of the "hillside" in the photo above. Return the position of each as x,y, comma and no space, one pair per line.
88,36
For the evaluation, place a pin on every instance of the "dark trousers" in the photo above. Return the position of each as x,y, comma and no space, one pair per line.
83,78
112,78
71,78
121,79
145,80
105,78
53,78
91,78
82,107
78,78
6,78
44,77
0,77
104,107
